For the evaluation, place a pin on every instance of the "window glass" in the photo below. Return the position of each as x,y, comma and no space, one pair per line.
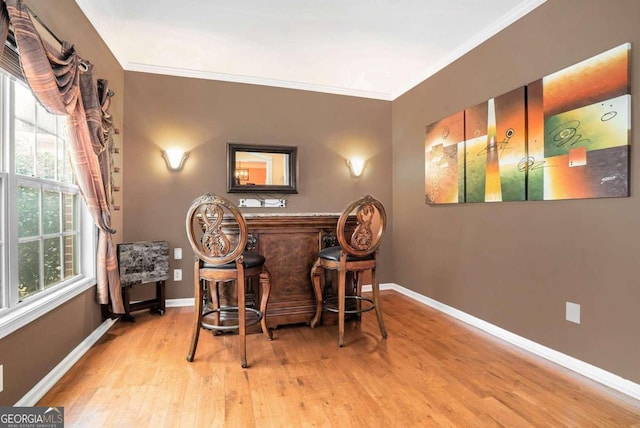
46,155
25,104
48,223
28,212
28,268
46,121
51,212
69,221
25,148
65,173
70,260
52,261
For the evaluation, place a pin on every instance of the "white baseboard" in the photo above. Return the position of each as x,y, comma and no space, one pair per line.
386,286
32,397
178,303
585,369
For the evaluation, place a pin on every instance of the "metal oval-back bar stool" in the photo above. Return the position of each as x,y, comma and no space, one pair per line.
355,254
217,232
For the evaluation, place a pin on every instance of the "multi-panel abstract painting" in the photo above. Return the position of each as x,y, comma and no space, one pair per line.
565,136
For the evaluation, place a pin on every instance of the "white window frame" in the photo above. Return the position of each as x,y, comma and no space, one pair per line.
4,260
15,314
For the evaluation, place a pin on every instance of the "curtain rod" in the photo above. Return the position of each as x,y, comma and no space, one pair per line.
43,24
37,18
82,65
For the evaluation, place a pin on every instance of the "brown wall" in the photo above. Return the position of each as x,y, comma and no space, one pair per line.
30,353
515,264
202,116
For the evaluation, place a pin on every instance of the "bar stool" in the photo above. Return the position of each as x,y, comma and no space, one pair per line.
356,254
217,232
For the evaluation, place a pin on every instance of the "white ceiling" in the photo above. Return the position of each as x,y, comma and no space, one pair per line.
368,48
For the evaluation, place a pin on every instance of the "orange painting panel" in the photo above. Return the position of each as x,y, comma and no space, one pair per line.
585,83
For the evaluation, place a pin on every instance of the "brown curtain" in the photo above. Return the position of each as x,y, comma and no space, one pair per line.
63,83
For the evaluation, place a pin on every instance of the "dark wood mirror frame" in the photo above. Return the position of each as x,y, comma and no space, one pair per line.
233,185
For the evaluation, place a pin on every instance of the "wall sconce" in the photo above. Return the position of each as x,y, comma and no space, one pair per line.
356,166
175,158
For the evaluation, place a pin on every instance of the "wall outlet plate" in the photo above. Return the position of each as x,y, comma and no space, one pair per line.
252,203
573,312
274,203
177,274
266,203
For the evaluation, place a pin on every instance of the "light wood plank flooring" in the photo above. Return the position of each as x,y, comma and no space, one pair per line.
432,371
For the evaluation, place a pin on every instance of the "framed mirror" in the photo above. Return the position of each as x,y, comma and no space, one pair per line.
253,168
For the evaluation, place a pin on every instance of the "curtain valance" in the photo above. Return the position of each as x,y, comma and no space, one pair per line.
63,83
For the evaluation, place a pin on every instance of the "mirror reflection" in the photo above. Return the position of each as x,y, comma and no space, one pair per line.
261,168
255,168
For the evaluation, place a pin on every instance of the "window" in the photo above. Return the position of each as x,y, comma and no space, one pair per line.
47,238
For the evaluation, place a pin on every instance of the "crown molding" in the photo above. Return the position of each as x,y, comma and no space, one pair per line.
495,27
253,80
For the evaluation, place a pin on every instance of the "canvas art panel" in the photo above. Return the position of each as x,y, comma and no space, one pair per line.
495,142
444,160
579,129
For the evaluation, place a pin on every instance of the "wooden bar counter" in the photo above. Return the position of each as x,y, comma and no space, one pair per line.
290,244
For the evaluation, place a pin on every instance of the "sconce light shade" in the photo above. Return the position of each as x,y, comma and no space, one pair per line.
356,166
175,158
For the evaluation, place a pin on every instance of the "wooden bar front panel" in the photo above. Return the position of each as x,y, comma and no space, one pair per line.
290,245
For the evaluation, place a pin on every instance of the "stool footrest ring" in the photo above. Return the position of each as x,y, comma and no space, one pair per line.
331,303
234,309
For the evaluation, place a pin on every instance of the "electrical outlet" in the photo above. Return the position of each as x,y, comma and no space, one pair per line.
177,274
274,203
177,253
1,378
573,312
251,203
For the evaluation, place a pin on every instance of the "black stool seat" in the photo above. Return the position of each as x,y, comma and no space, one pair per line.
250,260
333,253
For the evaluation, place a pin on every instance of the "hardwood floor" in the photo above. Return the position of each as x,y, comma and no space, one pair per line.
432,371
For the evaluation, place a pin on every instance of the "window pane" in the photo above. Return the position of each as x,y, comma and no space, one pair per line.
28,212
52,268
46,120
25,149
65,173
50,212
68,212
28,268
70,267
46,154
25,104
